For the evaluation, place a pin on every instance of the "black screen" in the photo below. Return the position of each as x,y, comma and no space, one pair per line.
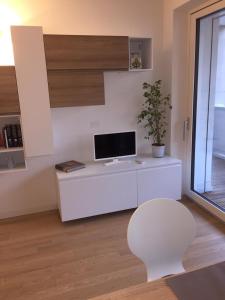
115,144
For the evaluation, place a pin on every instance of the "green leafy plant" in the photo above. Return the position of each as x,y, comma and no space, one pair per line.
153,114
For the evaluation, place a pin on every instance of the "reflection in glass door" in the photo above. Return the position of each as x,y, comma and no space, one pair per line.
208,148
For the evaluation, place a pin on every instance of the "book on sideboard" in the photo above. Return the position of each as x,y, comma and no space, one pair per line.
70,166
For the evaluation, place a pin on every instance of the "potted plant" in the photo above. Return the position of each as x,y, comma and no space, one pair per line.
153,116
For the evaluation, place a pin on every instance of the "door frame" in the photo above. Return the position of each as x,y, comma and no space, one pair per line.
202,11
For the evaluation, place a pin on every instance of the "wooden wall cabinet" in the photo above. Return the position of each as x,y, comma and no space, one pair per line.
9,99
75,88
71,59
85,52
76,63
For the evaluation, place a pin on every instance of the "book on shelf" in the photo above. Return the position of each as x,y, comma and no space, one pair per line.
12,136
19,135
2,140
15,142
9,136
5,137
70,166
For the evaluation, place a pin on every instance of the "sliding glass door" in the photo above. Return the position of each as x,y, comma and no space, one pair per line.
207,151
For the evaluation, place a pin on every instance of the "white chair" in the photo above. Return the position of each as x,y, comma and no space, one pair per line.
159,232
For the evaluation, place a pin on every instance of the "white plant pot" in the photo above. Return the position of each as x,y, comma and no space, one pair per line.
158,151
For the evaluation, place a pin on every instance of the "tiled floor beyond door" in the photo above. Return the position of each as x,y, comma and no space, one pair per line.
218,182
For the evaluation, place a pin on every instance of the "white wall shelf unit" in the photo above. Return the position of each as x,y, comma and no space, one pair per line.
140,54
11,158
31,74
17,168
98,189
6,150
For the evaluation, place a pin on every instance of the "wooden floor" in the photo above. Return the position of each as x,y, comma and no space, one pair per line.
41,258
218,183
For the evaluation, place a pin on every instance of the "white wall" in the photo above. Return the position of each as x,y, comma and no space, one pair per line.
175,53
175,49
35,189
28,191
174,26
74,127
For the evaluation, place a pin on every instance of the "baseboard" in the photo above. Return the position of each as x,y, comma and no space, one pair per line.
27,211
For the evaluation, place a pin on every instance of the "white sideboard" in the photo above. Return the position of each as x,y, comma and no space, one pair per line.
100,189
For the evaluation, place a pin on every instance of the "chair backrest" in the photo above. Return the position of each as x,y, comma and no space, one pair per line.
159,232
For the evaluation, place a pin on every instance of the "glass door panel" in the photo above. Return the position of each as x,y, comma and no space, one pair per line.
208,139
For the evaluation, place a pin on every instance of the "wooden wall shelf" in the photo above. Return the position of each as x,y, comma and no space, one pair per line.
9,99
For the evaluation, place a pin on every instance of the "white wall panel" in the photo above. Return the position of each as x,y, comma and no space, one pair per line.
33,90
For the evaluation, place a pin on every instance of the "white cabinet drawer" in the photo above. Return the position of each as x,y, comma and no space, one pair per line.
162,182
95,195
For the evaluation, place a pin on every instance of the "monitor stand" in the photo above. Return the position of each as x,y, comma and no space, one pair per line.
115,161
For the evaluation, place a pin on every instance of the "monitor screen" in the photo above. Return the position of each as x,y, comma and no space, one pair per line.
115,145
